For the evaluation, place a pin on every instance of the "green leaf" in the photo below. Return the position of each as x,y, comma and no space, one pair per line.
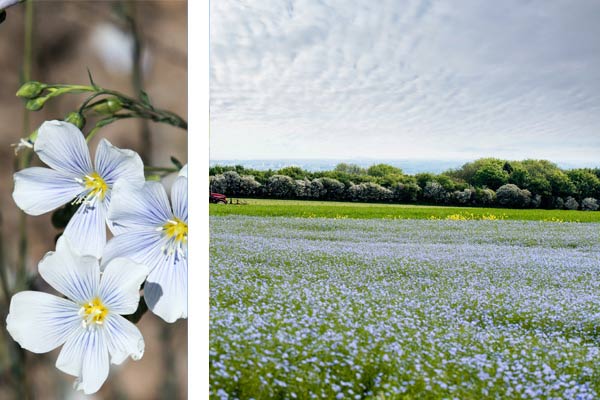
91,79
145,99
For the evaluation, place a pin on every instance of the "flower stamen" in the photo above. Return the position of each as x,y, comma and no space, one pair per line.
93,312
95,187
176,232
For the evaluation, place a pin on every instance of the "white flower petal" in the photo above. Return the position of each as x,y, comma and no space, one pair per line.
39,190
183,171
7,3
142,246
166,290
87,228
85,355
124,339
94,370
40,322
75,275
70,357
61,146
120,285
134,207
179,197
113,164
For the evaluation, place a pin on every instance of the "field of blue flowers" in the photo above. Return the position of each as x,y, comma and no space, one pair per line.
428,309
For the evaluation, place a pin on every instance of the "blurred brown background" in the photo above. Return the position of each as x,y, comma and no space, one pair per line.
68,37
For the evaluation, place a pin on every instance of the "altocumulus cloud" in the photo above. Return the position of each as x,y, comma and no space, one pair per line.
405,79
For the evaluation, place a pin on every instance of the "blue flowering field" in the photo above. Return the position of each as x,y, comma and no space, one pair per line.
387,309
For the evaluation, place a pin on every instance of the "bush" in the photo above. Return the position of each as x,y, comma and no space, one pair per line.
302,189
217,184
316,189
405,192
484,197
461,196
369,192
558,202
248,186
571,203
334,189
232,183
510,195
589,204
536,201
435,192
281,186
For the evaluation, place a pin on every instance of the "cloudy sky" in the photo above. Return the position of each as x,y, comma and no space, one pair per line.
399,79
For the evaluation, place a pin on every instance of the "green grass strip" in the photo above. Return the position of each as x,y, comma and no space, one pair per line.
340,210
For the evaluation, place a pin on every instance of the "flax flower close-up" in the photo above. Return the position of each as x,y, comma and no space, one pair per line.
155,234
71,177
87,322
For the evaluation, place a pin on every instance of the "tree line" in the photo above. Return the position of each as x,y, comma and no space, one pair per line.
483,182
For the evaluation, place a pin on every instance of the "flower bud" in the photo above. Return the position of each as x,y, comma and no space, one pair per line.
76,119
109,106
31,90
36,104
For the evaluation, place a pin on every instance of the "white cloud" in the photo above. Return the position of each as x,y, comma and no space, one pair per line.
405,79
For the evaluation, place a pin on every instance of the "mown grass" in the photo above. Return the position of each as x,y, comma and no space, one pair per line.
341,210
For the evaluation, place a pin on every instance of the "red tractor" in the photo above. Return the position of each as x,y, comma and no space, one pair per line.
217,198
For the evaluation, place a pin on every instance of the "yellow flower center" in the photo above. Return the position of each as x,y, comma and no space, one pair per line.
96,185
93,312
176,229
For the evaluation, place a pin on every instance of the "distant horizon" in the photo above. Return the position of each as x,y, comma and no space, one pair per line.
408,165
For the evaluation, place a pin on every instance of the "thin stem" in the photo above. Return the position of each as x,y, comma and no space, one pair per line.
137,78
84,105
160,169
28,51
169,386
103,122
144,110
74,88
22,388
26,158
3,266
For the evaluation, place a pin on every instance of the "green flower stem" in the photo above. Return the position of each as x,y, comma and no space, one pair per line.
144,110
107,121
73,88
86,104
160,169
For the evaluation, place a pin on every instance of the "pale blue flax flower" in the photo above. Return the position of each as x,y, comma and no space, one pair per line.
154,234
88,322
71,178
